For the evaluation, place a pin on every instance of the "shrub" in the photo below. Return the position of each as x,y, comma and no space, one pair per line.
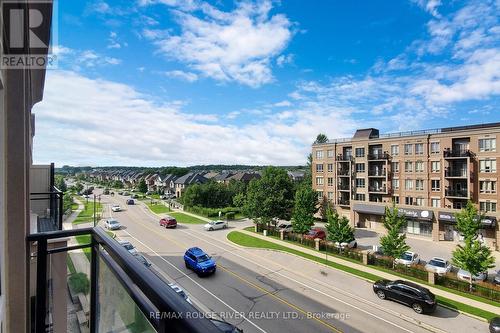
79,282
230,215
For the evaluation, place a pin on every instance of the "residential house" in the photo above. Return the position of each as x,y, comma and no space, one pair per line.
245,177
183,182
221,177
296,176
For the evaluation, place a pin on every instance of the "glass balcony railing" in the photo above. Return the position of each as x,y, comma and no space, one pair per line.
115,292
447,153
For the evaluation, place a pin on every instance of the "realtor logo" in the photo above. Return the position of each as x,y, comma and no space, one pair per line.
27,37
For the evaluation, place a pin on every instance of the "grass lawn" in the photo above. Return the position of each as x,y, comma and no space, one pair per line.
250,241
158,208
71,266
84,239
188,219
87,214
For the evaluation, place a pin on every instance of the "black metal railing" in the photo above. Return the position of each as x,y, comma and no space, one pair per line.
49,208
377,189
342,157
462,173
377,173
343,202
343,172
456,193
378,156
344,187
159,305
457,153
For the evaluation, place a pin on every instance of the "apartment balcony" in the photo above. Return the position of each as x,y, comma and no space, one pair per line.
377,173
343,172
455,173
123,295
343,202
457,153
378,156
376,189
457,194
344,187
48,209
344,158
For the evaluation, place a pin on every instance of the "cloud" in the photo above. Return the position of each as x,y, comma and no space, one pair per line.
429,6
186,76
284,103
113,42
138,131
82,59
282,60
227,46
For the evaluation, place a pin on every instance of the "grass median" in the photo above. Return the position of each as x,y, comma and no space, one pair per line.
250,241
87,214
187,219
157,208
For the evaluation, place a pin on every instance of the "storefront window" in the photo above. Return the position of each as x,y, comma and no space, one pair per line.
419,228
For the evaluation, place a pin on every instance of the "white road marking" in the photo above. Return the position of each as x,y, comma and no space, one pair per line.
195,282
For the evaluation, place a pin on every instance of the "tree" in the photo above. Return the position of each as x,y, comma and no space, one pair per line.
339,229
239,200
306,200
117,184
321,138
324,207
394,242
79,187
473,256
269,197
60,183
143,187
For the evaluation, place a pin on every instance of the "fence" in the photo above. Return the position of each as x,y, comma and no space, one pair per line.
481,289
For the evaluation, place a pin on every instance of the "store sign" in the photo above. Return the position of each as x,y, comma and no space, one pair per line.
416,213
446,216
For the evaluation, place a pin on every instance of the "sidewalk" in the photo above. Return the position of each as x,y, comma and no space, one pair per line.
384,275
78,258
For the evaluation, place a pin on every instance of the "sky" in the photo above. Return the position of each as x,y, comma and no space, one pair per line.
186,82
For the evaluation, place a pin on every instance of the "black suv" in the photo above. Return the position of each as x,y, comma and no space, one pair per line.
420,299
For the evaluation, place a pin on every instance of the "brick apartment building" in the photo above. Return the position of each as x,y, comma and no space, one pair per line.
429,174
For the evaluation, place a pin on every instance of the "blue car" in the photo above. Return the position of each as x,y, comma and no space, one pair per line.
200,262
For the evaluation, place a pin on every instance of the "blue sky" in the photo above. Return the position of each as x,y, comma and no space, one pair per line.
170,82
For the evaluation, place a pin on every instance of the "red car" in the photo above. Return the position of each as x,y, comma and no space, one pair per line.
315,233
168,222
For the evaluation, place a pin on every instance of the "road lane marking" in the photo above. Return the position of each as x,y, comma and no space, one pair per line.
195,282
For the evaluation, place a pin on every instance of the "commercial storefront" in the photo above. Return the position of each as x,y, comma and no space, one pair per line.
419,221
448,227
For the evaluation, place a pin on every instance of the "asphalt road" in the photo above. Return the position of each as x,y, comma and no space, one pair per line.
264,291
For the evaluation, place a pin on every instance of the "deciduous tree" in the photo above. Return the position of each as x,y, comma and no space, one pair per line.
394,242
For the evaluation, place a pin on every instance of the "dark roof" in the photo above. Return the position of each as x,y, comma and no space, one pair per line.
244,176
191,178
366,133
223,176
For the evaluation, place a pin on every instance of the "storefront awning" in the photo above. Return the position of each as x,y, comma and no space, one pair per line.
487,221
420,214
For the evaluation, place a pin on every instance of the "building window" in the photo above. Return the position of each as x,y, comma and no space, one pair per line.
408,201
320,195
395,184
319,167
330,181
330,195
436,203
360,182
408,166
419,228
394,150
435,166
395,166
329,153
487,206
330,167
360,152
319,154
408,184
487,186
435,148
487,144
488,165
319,181
419,148
419,166
419,184
408,149
359,197
395,199
435,185
360,167
419,201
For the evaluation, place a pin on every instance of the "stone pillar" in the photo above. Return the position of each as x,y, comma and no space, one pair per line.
365,257
255,228
316,243
431,277
282,234
264,232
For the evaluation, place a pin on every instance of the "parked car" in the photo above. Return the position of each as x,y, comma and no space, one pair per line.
214,225
200,262
420,299
142,259
408,258
496,280
287,227
438,265
112,224
315,233
168,222
130,202
351,244
125,194
116,208
225,327
465,275
120,193
134,196
180,292
128,246
495,325
106,191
